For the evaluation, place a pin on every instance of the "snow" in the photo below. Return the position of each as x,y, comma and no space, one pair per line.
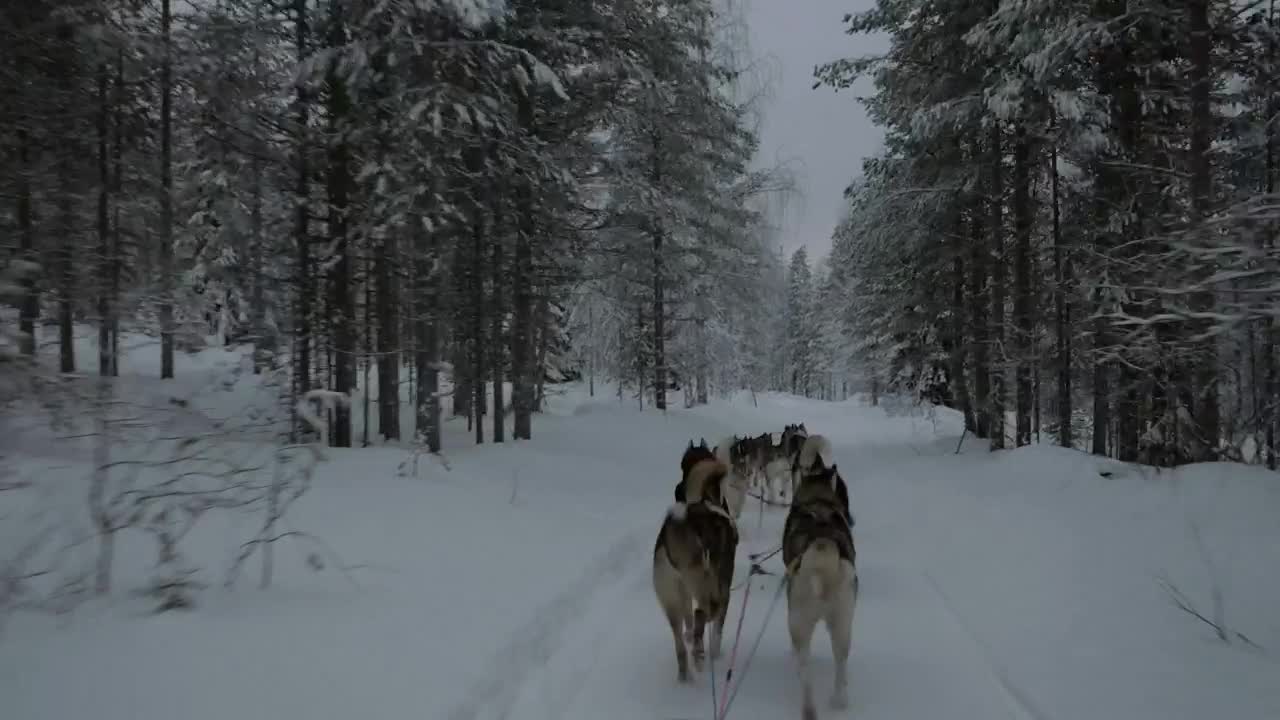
513,581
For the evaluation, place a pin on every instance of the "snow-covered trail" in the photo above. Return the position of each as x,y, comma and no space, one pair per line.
912,656
993,586
514,584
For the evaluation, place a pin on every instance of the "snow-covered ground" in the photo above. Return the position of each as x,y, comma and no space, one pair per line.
514,583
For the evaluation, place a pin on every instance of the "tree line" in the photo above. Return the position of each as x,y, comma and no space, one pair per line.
428,200
1071,228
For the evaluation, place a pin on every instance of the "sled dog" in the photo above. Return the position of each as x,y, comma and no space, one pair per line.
818,550
693,564
735,454
692,455
816,448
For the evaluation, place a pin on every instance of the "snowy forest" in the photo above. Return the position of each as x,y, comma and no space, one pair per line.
474,359
517,195
1070,232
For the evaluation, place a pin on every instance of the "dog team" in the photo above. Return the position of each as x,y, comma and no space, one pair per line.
693,558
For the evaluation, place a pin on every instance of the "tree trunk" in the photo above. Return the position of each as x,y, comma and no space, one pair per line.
542,324
1101,385
105,301
427,341
341,307
1062,317
257,300
1022,298
29,310
301,230
166,193
477,309
959,383
497,314
117,188
1207,414
366,276
521,295
66,214
1000,361
388,346
659,290
1270,334
979,264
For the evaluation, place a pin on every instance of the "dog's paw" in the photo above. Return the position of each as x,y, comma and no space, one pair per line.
840,699
684,677
808,713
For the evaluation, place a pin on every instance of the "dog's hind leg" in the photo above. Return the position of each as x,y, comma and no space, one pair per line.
676,619
801,623
676,604
839,619
699,631
839,622
718,616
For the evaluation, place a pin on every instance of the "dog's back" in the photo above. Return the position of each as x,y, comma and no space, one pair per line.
821,562
817,513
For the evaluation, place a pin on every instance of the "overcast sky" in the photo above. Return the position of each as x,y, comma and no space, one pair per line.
824,134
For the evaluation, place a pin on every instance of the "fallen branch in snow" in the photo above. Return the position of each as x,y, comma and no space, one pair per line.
1184,604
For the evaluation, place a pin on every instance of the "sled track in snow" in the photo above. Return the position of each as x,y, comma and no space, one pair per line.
540,638
1021,706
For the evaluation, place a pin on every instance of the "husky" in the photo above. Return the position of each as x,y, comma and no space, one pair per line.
693,561
816,448
692,455
735,454
821,562
775,465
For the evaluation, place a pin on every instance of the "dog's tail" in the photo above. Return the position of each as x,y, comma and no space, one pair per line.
821,562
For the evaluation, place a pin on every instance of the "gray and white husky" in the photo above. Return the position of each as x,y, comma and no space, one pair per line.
821,562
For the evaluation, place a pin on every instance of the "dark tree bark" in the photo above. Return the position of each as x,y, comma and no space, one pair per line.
166,193
29,310
1022,298
979,263
497,314
341,305
521,290
476,313
1062,317
105,259
959,338
1207,411
117,188
257,300
999,364
301,230
1269,348
66,207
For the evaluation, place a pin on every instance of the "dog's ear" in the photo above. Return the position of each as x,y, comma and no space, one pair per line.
816,466
703,443
690,445
801,427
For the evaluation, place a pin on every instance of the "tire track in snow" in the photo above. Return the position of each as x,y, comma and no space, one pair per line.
539,638
1020,703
